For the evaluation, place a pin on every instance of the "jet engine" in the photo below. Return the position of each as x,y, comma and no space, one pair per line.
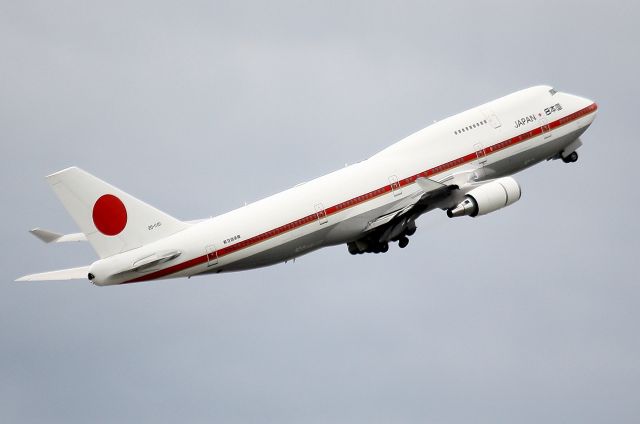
488,197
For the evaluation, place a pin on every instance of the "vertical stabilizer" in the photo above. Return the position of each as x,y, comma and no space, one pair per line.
112,220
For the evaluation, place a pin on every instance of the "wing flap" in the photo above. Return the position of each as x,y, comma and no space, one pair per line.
430,190
381,220
79,273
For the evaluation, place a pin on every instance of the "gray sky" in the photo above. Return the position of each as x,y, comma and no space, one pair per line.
527,315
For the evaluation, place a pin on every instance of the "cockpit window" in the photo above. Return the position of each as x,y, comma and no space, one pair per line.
553,91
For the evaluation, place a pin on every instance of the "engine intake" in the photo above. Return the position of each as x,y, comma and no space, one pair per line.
487,198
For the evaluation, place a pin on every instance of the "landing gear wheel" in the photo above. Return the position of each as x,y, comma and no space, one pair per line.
403,242
353,249
573,157
384,247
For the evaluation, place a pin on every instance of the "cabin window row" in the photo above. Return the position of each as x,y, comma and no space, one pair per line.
359,199
470,127
448,165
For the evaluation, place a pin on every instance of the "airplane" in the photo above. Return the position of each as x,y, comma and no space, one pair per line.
461,165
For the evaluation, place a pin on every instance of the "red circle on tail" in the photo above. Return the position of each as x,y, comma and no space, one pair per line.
109,215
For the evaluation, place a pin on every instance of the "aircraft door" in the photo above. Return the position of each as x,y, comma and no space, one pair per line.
492,119
395,185
212,255
480,154
321,213
546,129
482,160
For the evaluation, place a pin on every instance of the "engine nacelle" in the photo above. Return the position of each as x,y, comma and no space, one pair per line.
487,198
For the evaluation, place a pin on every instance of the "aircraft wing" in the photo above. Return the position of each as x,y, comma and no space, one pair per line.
430,191
433,190
79,273
428,185
384,219
394,224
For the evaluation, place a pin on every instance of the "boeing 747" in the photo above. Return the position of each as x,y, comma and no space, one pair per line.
462,165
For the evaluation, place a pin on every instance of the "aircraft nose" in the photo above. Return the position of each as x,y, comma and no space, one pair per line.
590,107
584,106
588,103
584,103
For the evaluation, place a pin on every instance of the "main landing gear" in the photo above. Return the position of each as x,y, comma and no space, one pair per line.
354,249
373,246
573,157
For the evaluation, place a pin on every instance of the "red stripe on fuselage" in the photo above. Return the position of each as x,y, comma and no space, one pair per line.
369,196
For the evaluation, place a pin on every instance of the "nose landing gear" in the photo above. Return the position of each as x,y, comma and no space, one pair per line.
573,157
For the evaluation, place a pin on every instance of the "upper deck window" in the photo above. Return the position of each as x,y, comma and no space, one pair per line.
553,91
472,127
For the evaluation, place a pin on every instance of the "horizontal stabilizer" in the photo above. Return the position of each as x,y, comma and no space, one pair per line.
53,237
79,273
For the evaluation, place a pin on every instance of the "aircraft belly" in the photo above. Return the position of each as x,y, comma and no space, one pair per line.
280,253
530,156
341,232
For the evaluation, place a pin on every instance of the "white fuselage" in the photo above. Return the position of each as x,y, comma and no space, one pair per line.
493,140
